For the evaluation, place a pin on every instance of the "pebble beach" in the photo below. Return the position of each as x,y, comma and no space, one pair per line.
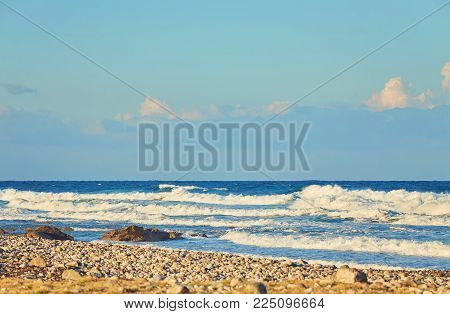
35,265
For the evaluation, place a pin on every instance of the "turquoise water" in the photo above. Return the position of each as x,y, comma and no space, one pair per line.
400,224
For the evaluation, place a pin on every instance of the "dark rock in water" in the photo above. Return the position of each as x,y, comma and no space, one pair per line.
47,232
67,229
196,235
139,234
3,232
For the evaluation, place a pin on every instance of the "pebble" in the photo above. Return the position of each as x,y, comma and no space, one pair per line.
70,274
71,259
178,289
38,262
350,275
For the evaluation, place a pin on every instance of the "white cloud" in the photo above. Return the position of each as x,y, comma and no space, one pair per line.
392,96
152,107
423,100
446,74
277,106
396,95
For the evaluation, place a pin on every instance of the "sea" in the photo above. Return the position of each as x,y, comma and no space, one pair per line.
400,224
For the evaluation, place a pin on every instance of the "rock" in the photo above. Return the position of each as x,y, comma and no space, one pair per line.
47,232
70,274
234,282
2,232
287,263
196,235
38,262
139,234
158,277
350,275
178,289
72,264
255,287
67,229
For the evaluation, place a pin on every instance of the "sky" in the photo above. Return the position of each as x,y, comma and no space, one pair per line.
63,118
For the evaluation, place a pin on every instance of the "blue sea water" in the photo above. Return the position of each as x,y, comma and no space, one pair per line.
397,224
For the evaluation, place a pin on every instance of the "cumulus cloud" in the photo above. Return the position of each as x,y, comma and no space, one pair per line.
155,108
392,96
423,100
396,95
446,74
277,106
152,107
17,89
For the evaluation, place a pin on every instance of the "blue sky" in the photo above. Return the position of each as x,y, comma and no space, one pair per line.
387,118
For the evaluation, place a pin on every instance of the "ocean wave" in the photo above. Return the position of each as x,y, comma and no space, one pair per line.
397,207
357,244
188,187
167,209
178,194
120,212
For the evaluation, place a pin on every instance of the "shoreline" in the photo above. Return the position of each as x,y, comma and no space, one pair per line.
52,266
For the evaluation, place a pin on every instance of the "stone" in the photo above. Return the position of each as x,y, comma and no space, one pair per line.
197,235
38,262
67,229
72,264
2,232
71,274
255,288
139,234
350,275
288,263
234,282
47,232
178,289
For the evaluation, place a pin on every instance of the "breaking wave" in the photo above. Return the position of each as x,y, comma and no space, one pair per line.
177,194
357,244
398,206
394,207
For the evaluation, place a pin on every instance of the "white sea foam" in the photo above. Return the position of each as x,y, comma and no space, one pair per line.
357,244
398,206
395,207
174,209
177,194
188,187
118,212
